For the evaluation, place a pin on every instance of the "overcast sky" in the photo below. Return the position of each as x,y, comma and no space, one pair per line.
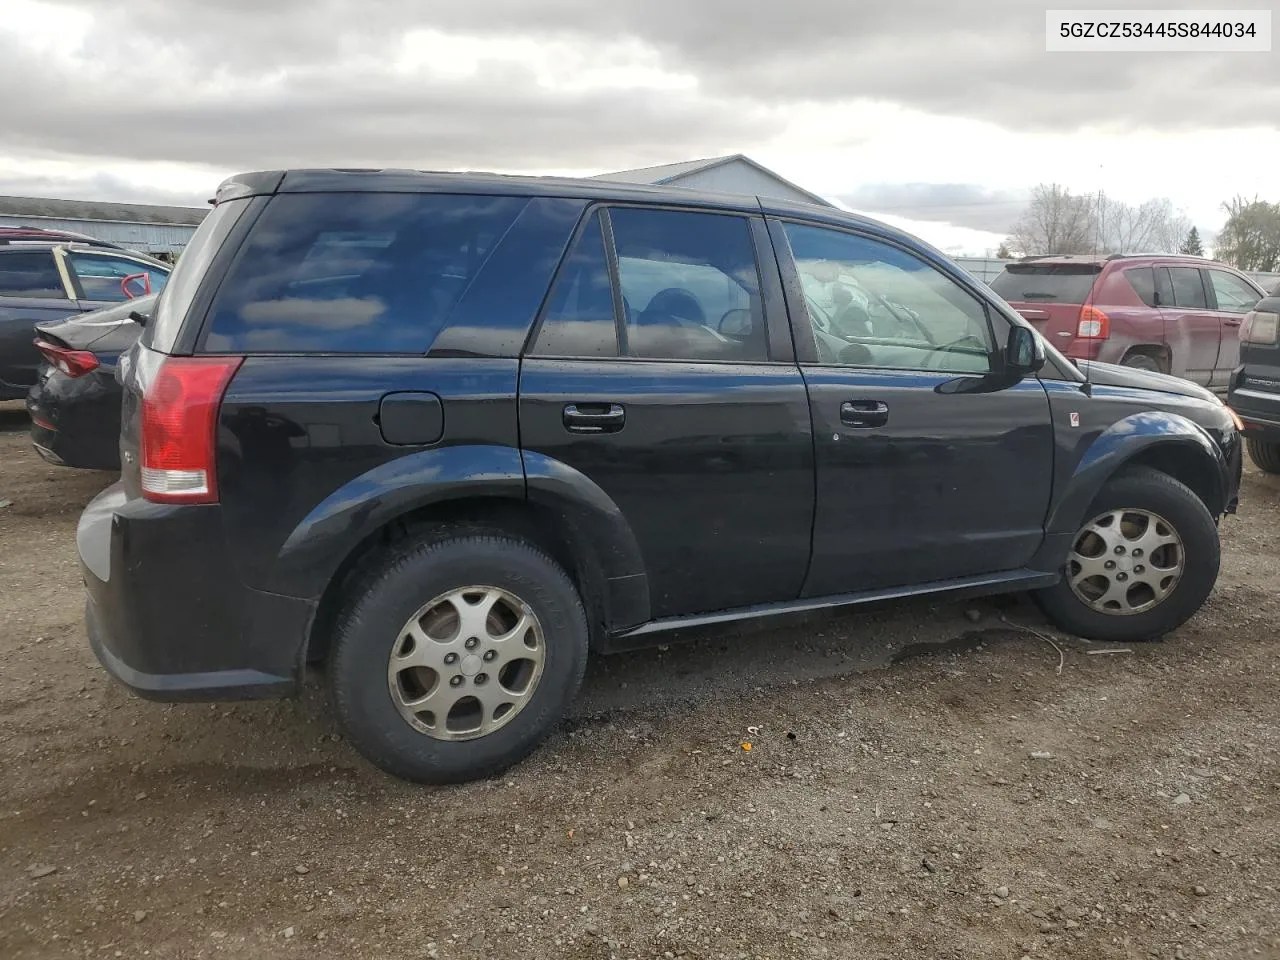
940,115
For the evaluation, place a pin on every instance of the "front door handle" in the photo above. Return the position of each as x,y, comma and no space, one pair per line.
1232,321
864,413
594,417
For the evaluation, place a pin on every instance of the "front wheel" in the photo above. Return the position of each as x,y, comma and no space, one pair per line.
1265,454
1143,562
454,658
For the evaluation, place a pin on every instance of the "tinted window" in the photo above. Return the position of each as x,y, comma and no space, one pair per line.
355,273
115,279
162,332
1049,283
873,305
689,285
1188,291
30,274
579,320
1143,281
1234,295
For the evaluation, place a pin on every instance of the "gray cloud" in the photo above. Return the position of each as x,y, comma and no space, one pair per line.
962,204
320,92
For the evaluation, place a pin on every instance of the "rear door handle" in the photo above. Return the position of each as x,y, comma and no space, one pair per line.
594,417
864,413
1233,321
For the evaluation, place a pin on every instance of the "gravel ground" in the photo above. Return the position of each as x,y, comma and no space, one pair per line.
918,784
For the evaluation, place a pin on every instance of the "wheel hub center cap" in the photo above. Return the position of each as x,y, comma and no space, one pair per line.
471,665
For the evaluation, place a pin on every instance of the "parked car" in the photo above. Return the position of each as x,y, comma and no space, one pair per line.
1167,314
47,275
446,433
75,403
1255,387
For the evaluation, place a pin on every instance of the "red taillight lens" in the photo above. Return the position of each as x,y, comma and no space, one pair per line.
74,363
179,428
1093,324
1259,326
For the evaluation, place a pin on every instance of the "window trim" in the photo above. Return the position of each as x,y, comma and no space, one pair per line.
802,326
768,293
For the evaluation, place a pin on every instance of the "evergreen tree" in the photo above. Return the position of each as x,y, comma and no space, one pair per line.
1192,245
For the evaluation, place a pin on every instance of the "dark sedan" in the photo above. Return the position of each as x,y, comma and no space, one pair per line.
75,403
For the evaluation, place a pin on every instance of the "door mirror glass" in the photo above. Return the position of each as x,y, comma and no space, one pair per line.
1024,354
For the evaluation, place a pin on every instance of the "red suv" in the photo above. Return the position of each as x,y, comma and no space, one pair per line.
1163,313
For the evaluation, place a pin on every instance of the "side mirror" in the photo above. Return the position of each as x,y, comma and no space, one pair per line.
1024,353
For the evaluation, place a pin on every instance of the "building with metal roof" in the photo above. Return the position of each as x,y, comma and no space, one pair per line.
732,174
148,228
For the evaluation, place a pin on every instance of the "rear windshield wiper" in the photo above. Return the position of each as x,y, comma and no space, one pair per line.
1039,296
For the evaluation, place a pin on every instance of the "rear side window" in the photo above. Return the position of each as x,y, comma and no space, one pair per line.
1188,290
690,288
30,274
355,273
1047,283
1143,281
579,319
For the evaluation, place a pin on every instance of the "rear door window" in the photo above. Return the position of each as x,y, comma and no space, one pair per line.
355,273
1233,294
31,273
1046,282
1188,288
690,287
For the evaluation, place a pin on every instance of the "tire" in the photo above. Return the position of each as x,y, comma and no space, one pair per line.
1265,454
1175,506
1142,361
371,691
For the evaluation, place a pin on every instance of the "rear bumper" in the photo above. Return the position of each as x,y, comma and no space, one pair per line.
1259,409
75,424
167,616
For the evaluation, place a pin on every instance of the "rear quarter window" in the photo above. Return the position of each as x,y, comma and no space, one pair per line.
354,273
1045,283
30,273
1143,281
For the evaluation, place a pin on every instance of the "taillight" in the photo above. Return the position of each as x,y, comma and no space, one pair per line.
74,363
1259,326
179,428
1093,324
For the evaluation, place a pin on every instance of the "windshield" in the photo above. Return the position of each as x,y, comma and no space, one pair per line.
1050,283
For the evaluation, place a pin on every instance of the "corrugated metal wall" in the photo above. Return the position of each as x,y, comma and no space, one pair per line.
741,178
145,237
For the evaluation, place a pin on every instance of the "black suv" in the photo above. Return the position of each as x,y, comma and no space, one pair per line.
447,433
1255,385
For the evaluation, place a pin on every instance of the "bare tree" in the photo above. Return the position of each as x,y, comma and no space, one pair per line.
1250,239
1056,221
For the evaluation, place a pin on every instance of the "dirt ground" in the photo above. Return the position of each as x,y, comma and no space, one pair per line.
918,785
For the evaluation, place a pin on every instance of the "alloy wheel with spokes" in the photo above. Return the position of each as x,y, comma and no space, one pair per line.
466,663
1125,562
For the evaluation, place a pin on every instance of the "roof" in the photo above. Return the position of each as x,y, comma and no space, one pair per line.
669,173
47,207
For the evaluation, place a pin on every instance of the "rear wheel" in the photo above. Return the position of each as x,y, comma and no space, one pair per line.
1142,563
454,658
1142,361
1265,454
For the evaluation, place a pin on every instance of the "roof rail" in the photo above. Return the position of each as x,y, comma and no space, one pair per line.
1171,256
9,235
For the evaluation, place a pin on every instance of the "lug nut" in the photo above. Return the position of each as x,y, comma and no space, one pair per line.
1110,565
1139,569
1122,577
472,643
481,679
1119,551
1137,551
489,655
455,681
450,658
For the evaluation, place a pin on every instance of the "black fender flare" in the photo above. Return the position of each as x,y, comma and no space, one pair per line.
1120,444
